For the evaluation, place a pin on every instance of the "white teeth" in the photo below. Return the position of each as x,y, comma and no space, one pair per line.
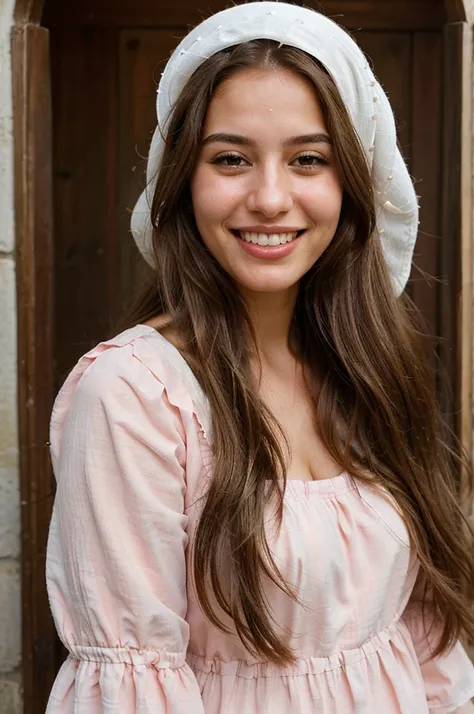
267,238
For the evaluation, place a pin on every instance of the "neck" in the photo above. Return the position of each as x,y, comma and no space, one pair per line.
271,315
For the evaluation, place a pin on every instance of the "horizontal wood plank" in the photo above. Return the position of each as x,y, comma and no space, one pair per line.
353,14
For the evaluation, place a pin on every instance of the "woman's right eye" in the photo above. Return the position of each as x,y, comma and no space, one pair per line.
233,161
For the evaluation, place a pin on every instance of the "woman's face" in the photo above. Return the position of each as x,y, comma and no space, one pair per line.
266,193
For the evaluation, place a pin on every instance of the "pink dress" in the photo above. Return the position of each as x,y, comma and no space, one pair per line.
130,438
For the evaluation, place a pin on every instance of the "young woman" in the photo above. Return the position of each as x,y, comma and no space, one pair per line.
256,508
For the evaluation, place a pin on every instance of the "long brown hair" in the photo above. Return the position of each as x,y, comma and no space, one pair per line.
363,343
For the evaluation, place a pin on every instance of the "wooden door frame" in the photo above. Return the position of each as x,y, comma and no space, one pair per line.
34,246
34,261
457,228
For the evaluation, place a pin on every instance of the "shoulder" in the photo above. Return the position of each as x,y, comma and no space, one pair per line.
111,364
139,357
138,368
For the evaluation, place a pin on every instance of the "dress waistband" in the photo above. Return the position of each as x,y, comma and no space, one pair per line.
311,665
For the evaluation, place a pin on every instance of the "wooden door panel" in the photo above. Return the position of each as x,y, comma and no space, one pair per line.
104,88
408,66
142,57
85,156
390,55
426,168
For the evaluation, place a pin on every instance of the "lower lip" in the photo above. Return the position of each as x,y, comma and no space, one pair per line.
268,251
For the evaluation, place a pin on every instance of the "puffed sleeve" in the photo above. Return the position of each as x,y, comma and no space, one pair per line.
448,680
116,568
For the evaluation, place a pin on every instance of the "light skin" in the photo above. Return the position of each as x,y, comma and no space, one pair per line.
267,162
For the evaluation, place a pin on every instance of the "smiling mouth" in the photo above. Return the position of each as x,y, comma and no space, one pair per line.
270,239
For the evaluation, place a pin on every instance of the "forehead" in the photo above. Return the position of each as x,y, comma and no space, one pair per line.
266,99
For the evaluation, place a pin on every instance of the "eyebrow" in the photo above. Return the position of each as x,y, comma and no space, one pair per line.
317,138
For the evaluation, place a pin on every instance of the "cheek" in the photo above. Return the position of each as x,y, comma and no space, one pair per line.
324,204
213,197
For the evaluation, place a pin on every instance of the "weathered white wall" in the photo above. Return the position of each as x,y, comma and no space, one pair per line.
10,596
469,5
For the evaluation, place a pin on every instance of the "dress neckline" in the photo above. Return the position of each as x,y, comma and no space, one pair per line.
325,488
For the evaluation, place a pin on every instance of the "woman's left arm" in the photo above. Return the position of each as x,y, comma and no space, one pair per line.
448,678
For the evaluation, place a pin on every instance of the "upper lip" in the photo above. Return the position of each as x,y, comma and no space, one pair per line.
268,229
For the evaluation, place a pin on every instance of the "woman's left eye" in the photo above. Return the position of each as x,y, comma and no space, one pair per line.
309,161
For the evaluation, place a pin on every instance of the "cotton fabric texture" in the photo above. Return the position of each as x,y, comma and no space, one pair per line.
130,442
366,101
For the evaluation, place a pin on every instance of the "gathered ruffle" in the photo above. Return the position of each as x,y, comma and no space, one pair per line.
310,665
382,675
99,680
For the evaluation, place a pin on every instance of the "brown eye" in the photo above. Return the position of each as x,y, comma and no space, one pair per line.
310,161
230,160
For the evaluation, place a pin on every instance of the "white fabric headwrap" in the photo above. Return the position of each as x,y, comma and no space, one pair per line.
367,103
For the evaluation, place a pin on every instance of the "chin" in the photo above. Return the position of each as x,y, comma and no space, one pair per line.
263,285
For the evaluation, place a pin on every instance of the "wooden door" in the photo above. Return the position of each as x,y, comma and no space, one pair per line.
105,63
106,57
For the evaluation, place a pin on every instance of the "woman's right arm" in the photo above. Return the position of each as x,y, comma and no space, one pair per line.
116,566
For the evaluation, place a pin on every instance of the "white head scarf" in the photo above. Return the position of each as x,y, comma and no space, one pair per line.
367,104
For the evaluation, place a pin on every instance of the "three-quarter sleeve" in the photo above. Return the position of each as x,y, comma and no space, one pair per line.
116,568
448,680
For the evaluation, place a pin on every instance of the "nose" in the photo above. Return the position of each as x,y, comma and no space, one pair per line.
270,193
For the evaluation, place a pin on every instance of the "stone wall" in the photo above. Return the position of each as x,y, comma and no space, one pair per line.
10,593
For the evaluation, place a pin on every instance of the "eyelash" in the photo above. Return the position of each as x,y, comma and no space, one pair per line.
220,161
